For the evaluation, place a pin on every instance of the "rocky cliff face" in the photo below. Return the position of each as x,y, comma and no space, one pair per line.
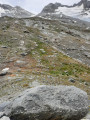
18,12
81,10
86,4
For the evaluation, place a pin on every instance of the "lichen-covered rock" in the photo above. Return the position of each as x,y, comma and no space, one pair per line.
49,103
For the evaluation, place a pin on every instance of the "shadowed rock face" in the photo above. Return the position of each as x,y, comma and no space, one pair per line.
51,8
85,3
4,6
49,103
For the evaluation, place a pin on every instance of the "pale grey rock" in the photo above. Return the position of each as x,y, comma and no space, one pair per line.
87,54
24,54
5,118
4,71
88,116
3,105
85,83
4,46
1,114
49,103
20,62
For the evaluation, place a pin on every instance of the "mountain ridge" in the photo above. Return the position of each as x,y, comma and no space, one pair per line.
17,11
80,10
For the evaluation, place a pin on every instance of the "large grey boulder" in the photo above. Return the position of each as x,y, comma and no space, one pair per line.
4,118
49,103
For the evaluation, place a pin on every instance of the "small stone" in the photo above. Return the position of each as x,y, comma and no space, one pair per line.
40,36
3,28
4,46
72,80
87,54
26,31
23,54
4,72
85,83
14,39
45,38
20,62
19,70
42,27
42,50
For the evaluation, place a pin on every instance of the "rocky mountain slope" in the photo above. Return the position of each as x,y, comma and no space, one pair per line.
38,51
80,10
18,12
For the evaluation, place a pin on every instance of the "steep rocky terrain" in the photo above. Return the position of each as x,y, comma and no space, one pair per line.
36,51
81,10
31,49
18,12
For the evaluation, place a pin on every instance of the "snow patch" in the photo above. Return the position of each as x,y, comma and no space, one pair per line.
76,12
1,11
73,11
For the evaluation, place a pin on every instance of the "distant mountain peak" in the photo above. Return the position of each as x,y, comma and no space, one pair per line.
80,10
18,12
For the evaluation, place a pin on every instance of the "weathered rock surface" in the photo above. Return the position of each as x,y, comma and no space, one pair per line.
2,106
5,118
87,54
4,72
1,114
49,103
